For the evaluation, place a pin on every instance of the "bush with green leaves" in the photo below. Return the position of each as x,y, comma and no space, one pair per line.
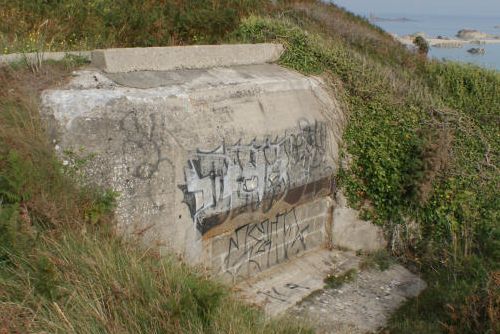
422,45
422,141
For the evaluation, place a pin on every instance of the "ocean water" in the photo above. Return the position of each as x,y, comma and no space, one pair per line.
448,26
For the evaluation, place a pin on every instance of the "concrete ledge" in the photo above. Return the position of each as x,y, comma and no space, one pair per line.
184,57
33,56
287,284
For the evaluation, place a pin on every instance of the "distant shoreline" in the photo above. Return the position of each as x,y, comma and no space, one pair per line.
446,43
374,18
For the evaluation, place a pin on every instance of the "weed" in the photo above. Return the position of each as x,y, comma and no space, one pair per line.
28,26
336,281
379,259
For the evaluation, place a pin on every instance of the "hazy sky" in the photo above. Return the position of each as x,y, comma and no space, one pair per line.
452,7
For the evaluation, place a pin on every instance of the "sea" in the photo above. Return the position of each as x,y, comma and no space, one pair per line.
448,26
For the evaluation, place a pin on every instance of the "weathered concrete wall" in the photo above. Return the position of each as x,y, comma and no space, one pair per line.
352,233
231,167
256,246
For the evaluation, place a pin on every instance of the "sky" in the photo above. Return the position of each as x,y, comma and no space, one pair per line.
438,7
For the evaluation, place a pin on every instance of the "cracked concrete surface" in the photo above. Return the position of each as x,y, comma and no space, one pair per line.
361,306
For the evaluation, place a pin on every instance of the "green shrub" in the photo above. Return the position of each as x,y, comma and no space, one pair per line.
422,45
422,141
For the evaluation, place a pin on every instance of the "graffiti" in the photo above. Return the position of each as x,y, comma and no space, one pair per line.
261,245
282,294
145,145
253,176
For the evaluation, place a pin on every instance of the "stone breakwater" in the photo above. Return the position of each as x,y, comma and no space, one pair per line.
462,38
449,43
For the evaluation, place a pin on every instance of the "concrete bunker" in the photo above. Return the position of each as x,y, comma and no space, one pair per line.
221,156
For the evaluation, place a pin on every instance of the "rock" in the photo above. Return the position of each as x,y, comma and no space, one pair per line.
374,18
476,51
448,44
472,34
420,33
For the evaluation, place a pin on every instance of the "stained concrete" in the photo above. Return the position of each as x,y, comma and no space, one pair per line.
184,57
361,306
297,288
351,232
230,167
278,290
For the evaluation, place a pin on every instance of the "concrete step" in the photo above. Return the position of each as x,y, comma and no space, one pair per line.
280,288
361,306
296,288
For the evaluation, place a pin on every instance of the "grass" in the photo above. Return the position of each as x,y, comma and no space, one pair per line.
380,260
336,281
34,25
62,270
89,282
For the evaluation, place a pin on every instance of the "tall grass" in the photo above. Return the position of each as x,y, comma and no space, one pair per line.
92,283
83,24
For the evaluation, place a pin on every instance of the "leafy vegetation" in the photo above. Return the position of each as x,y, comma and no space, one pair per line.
422,45
422,145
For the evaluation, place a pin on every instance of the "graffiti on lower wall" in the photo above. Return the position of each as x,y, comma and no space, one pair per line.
253,176
283,293
257,246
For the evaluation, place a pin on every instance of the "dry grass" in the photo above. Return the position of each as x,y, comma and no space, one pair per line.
46,192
